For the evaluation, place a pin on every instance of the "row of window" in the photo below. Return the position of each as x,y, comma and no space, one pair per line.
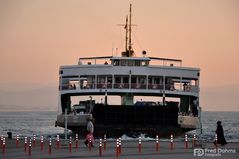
171,87
107,79
126,82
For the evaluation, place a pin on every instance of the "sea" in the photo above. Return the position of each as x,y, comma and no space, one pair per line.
29,123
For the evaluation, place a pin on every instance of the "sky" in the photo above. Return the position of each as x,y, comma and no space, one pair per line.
37,36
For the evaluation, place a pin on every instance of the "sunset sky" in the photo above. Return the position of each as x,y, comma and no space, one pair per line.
37,36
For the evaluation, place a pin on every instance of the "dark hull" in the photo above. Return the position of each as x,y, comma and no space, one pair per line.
133,120
110,131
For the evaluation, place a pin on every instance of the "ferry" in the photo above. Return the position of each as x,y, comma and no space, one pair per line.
174,88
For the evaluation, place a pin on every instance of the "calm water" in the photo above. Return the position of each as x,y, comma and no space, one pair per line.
230,125
43,123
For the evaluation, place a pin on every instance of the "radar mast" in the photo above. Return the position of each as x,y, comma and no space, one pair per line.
128,38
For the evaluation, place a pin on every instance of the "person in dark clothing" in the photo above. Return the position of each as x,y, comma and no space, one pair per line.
220,135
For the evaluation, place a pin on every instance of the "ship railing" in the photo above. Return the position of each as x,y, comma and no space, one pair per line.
104,86
138,86
192,89
121,85
64,87
155,86
180,88
88,86
167,87
68,87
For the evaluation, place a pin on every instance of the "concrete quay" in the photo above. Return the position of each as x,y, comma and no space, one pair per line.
129,150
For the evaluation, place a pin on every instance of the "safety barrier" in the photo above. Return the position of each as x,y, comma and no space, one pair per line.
157,143
171,142
215,141
186,141
30,143
76,141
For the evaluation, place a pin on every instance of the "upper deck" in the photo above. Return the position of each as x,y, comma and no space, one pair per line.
138,75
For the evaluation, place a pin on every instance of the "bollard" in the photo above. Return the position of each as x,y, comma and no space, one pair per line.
90,143
105,142
216,141
3,145
117,148
194,141
1,142
25,147
100,148
57,141
76,141
171,142
157,143
34,140
186,141
49,149
30,147
70,144
17,141
139,146
41,143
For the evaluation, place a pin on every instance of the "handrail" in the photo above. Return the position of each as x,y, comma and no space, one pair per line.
168,87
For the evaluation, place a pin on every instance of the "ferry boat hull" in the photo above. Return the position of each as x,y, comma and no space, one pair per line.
116,120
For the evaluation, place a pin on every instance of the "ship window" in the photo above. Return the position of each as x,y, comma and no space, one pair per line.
142,80
131,63
60,72
109,79
133,79
101,79
137,63
73,84
90,80
144,63
125,79
116,63
154,80
150,80
124,62
117,79
157,80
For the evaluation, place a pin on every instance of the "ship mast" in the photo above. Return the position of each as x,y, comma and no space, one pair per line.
126,35
130,31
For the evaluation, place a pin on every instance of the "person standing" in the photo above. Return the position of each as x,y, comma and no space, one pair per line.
90,131
220,135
